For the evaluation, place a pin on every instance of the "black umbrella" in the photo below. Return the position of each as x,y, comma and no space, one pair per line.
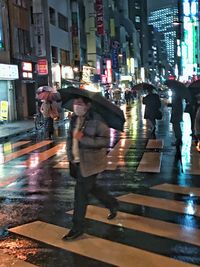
194,88
144,86
112,114
179,88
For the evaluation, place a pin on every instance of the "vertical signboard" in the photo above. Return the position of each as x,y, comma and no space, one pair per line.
42,67
3,110
115,53
99,17
39,34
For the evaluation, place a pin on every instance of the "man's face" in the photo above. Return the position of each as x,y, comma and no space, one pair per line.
80,107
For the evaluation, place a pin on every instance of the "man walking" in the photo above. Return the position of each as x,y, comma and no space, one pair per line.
88,138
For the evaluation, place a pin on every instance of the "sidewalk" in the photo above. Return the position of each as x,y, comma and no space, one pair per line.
12,129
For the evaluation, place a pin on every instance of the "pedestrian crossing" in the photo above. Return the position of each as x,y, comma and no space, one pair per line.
129,239
116,158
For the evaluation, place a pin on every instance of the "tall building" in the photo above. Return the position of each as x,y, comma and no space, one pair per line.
139,16
8,71
162,21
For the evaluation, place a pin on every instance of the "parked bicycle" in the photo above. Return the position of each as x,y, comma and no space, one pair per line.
39,121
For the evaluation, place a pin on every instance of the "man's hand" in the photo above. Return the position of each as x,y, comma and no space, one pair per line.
78,135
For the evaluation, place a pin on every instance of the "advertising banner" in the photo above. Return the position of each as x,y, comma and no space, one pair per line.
99,17
3,110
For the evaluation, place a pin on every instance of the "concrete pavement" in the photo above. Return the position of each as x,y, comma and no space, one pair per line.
12,129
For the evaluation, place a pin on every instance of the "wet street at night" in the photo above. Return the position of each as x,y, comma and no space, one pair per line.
158,223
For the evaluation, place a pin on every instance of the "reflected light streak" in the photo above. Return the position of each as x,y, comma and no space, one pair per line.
1,155
62,150
190,208
33,161
112,137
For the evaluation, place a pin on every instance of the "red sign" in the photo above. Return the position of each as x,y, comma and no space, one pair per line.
99,17
172,77
42,67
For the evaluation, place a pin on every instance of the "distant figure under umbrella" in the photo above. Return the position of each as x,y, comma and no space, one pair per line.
117,96
127,96
177,117
152,109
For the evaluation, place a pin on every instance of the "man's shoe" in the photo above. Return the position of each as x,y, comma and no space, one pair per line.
72,234
112,214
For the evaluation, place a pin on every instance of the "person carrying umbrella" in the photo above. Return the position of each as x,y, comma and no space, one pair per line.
152,109
87,142
179,92
49,107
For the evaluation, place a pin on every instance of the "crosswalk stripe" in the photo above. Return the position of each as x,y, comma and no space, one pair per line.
147,225
160,203
95,247
20,143
150,162
8,180
62,164
155,144
8,146
117,155
8,260
37,158
23,151
193,191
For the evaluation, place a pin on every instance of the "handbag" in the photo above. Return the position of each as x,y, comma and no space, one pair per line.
73,169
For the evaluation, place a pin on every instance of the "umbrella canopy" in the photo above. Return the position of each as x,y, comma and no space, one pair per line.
45,88
194,88
47,93
179,88
112,114
144,86
49,96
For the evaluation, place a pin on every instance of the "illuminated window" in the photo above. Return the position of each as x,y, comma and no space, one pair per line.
137,19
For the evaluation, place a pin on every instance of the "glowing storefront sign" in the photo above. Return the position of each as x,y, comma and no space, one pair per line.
189,45
27,70
56,73
109,70
9,72
67,72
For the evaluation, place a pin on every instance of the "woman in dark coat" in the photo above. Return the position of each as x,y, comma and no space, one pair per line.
152,109
177,117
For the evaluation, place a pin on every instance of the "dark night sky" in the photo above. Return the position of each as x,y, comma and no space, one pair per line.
157,4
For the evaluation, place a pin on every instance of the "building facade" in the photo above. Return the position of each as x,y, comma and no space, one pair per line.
162,21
